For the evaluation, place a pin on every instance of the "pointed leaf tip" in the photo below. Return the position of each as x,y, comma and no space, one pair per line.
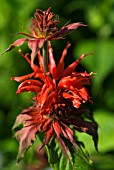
17,43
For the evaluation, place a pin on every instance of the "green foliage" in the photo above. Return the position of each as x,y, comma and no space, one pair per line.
78,157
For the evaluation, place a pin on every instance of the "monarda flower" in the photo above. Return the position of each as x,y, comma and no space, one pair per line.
44,27
57,104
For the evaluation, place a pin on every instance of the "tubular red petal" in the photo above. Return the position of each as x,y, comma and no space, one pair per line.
34,66
46,125
49,100
29,89
44,96
84,93
38,74
40,58
74,98
72,66
57,128
60,67
76,103
48,136
22,78
31,82
50,82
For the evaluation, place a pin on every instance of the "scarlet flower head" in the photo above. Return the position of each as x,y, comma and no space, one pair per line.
44,27
60,94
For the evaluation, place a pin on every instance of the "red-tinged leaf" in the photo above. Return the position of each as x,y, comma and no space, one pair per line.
65,30
68,133
31,111
52,64
35,45
21,119
17,43
57,129
25,136
86,126
69,28
60,67
91,129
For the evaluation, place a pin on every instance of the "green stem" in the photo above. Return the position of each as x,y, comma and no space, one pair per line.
45,57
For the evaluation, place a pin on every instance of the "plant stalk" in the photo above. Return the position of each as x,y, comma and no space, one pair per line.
45,57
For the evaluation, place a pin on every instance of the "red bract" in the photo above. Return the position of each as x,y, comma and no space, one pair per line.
57,103
44,27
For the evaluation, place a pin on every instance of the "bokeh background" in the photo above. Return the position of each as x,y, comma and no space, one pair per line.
98,36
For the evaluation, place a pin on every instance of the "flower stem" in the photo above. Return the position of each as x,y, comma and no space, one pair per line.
45,57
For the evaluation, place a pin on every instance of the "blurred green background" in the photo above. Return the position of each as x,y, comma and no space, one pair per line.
98,36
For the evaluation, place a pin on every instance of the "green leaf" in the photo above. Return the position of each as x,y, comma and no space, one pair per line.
58,160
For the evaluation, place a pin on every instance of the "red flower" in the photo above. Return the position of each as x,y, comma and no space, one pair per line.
44,27
57,103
